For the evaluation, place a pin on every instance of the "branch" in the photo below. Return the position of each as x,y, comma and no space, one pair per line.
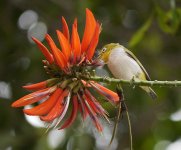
134,82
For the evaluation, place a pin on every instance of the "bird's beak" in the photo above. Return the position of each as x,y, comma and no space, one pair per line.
99,55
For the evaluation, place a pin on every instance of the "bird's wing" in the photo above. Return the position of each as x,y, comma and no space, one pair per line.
129,53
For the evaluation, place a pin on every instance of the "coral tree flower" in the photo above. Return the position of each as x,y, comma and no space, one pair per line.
66,65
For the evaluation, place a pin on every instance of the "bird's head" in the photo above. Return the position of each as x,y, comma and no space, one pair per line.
106,50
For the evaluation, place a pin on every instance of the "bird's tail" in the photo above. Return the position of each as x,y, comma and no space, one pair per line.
150,91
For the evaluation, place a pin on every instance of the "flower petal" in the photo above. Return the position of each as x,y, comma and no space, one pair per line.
73,115
65,28
46,106
75,22
110,95
41,85
36,86
94,103
44,50
82,107
57,54
93,117
92,106
54,112
94,42
65,108
89,30
75,42
57,109
31,98
66,49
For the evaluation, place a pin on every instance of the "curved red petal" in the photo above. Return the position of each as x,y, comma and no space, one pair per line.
66,49
31,98
94,42
65,108
57,54
65,29
88,106
110,95
75,22
97,123
57,109
44,50
93,105
36,86
93,116
82,107
44,107
75,43
97,104
73,115
54,113
89,30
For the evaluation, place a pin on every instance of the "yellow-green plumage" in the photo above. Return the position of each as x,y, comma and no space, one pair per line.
123,64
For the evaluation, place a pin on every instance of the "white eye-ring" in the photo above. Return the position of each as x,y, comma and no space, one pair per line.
104,49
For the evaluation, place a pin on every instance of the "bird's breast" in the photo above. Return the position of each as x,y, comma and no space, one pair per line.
122,66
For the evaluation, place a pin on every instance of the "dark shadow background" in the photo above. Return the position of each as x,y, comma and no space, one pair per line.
151,29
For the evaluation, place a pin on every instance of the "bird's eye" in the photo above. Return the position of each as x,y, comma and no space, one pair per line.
104,49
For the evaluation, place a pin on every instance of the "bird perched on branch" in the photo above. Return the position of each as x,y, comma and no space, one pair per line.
123,64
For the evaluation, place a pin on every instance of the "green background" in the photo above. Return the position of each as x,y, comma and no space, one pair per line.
151,29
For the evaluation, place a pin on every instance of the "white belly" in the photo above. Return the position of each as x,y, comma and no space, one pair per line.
122,66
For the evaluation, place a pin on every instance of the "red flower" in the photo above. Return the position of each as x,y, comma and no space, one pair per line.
66,86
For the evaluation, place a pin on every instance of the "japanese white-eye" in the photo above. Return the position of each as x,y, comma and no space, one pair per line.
123,64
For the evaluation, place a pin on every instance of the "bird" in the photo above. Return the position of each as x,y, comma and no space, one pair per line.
123,64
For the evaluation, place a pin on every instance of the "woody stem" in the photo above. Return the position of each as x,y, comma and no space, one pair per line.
135,82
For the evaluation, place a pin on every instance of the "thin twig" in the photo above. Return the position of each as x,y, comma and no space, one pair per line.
130,129
121,100
122,106
116,123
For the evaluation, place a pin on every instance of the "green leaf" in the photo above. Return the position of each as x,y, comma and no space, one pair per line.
169,21
139,35
112,110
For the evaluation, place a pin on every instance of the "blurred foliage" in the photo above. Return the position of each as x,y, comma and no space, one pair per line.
168,21
152,29
139,35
